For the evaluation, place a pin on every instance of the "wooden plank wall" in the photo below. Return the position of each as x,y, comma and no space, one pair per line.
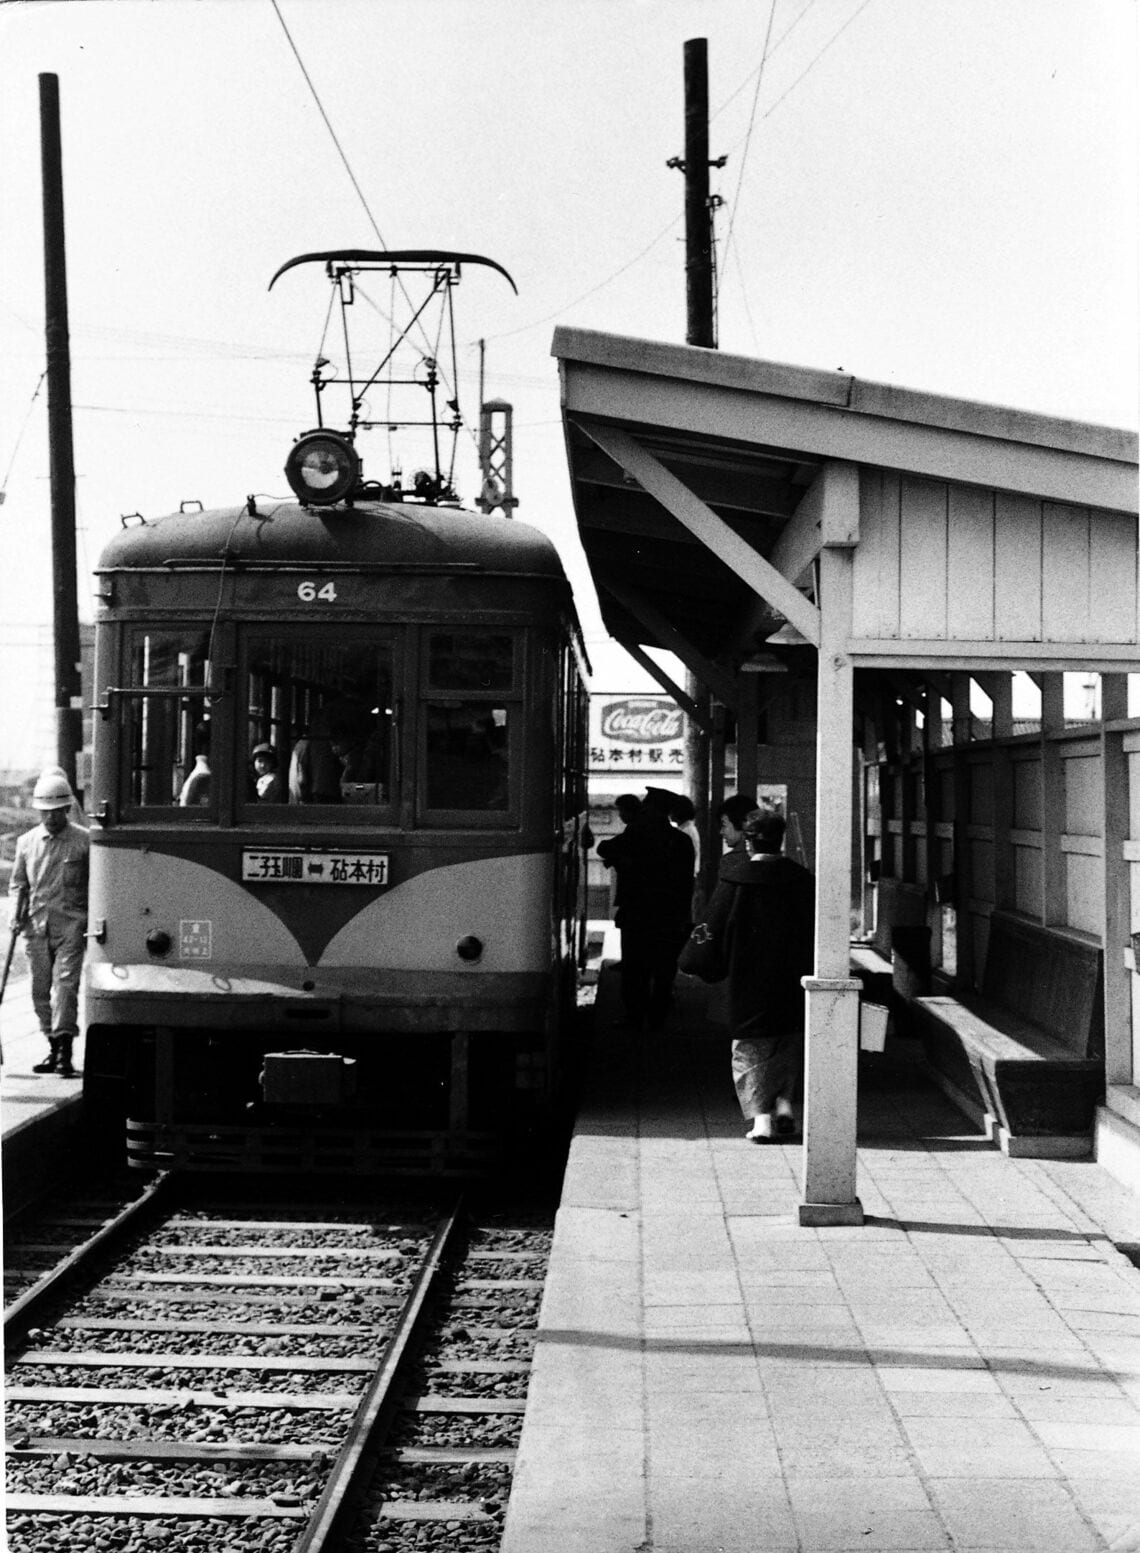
944,562
1044,823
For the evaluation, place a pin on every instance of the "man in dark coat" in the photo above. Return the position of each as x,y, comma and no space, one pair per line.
654,864
763,909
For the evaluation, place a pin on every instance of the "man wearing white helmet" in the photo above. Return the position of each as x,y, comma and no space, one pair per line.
48,897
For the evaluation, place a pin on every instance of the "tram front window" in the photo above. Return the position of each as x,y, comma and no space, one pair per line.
169,725
471,701
467,756
319,721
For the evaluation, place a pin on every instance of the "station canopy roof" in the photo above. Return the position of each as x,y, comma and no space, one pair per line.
651,426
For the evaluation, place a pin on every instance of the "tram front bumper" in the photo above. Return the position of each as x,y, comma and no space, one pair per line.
228,998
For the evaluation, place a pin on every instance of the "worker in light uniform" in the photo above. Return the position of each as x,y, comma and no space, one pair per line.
48,898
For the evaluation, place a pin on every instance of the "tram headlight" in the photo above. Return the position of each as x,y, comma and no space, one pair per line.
322,467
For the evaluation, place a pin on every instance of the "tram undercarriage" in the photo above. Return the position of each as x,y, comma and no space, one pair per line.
446,1103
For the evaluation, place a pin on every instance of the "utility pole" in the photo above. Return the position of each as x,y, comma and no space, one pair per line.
700,330
68,699
701,321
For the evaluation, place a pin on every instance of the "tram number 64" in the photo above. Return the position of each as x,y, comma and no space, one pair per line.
308,592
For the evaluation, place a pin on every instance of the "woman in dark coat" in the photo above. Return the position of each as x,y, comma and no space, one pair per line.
763,910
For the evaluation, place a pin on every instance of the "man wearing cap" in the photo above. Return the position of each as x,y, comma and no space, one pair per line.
47,895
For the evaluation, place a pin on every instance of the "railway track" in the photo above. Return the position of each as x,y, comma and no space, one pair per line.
282,1380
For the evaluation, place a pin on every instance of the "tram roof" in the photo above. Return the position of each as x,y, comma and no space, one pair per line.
649,426
369,534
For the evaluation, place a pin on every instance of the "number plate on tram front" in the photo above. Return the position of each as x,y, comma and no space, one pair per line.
297,865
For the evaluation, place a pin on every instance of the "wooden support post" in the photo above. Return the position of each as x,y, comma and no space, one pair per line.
907,806
869,821
832,994
1000,689
710,854
1118,1064
747,725
1054,904
963,870
931,740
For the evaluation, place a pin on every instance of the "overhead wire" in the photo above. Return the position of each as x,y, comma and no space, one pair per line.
328,123
416,320
767,114
335,139
733,95
536,323
767,54
20,434
816,59
751,124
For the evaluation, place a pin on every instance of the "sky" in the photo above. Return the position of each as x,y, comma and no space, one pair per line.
937,194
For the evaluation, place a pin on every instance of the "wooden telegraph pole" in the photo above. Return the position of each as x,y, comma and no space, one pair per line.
700,330
68,714
701,319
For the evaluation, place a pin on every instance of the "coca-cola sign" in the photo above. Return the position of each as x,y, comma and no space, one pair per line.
641,720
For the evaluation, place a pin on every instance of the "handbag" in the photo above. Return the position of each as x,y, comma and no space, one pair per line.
705,954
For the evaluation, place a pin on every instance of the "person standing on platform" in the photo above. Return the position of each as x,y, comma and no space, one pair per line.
683,813
654,864
628,807
731,815
48,899
763,911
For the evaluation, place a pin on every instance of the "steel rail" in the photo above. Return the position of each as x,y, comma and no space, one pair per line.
33,1305
355,1458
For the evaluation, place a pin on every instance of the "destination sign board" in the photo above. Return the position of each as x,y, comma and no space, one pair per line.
305,865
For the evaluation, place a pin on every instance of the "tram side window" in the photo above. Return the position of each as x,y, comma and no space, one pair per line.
468,736
169,733
320,721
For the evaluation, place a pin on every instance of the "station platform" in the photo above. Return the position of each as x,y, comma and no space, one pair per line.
960,1372
39,1113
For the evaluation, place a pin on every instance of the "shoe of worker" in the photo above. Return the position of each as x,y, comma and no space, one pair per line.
50,1064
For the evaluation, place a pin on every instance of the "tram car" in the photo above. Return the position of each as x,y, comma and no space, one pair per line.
338,804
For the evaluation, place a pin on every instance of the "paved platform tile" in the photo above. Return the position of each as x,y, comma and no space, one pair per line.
979,1465
819,1462
783,1276
1047,1407
938,1375
833,1528
1019,1516
953,1404
759,1523
702,1369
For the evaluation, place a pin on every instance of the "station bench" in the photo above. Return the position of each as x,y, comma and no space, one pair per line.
1026,1055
